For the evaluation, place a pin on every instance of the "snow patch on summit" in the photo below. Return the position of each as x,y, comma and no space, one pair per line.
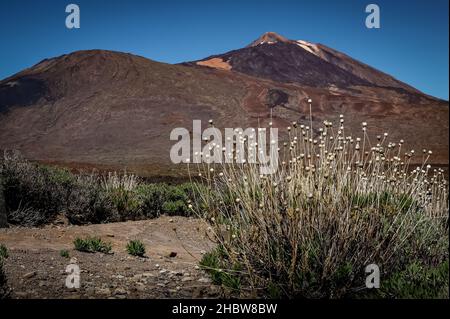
310,47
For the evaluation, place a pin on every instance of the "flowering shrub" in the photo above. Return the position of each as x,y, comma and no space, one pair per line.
336,204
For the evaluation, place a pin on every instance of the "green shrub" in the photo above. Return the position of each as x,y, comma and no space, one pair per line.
151,197
81,245
274,291
3,282
4,291
417,281
176,200
92,245
3,252
121,193
125,202
64,253
222,271
136,248
174,208
158,199
210,262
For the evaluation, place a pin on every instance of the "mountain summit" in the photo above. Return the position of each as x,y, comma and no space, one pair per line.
269,38
275,57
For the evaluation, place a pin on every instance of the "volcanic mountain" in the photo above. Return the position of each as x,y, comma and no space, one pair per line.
116,110
274,57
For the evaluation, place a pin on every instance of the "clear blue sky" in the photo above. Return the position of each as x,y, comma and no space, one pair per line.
411,45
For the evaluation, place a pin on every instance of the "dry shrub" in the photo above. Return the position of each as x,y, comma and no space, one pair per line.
335,205
36,194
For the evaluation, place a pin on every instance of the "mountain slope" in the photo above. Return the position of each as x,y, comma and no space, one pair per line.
357,68
108,107
286,62
114,110
275,57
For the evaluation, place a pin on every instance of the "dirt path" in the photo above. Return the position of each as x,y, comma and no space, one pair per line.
35,268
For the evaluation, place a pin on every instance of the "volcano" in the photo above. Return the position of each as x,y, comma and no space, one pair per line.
277,58
116,110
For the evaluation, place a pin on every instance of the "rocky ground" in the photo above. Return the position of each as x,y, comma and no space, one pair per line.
35,268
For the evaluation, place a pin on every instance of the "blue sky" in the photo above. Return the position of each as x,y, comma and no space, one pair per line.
412,44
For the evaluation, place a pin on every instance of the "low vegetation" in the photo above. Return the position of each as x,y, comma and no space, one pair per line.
136,248
222,271
417,281
4,291
336,205
92,245
3,252
64,253
35,194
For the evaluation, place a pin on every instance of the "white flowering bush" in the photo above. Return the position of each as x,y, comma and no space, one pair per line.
336,204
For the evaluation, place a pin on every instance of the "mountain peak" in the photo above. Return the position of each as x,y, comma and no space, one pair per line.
275,57
268,38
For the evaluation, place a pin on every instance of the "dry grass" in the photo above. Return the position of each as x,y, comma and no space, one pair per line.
114,181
